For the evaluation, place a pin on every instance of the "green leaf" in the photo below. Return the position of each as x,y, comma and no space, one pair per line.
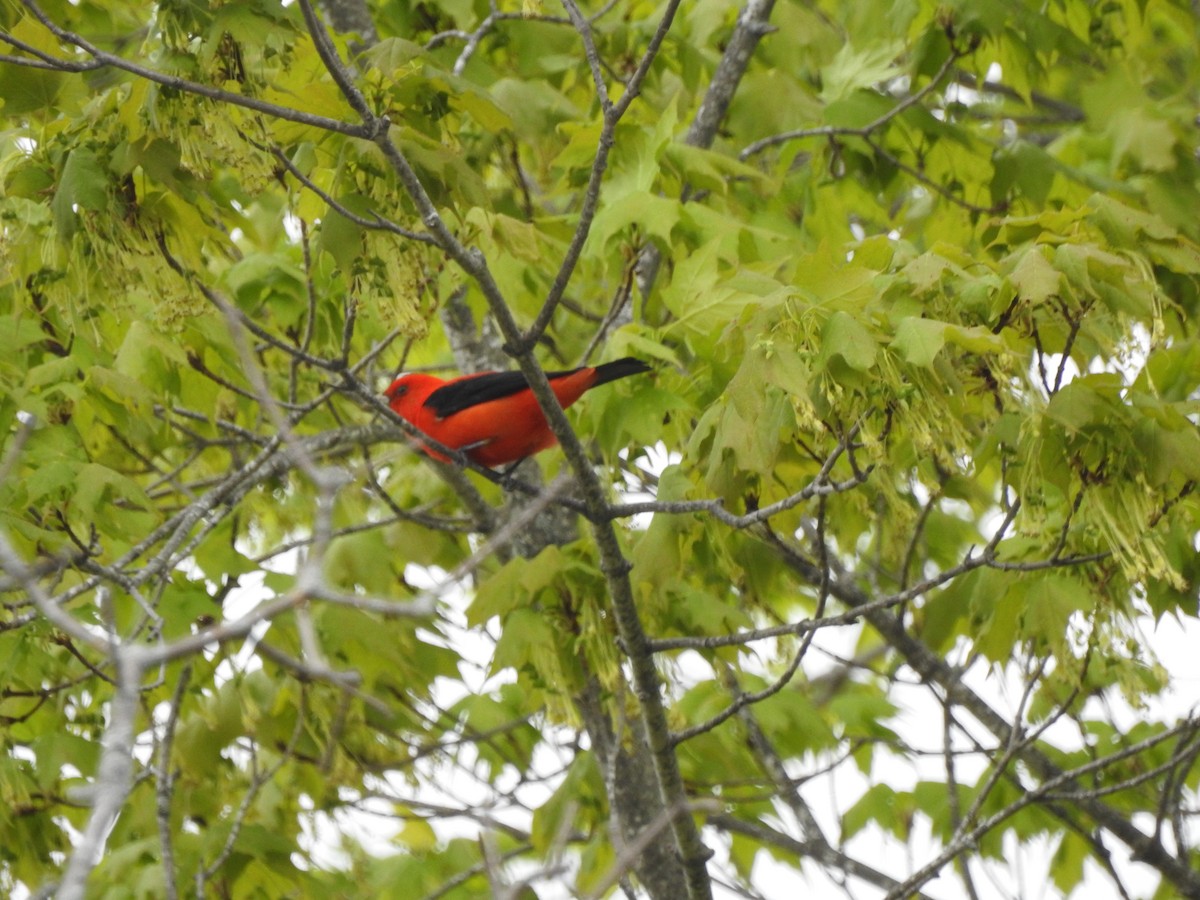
1086,401
1168,451
28,90
557,816
1126,225
481,107
339,236
1035,278
1147,140
1066,867
517,584
863,711
857,109
703,613
17,333
148,358
417,835
658,553
707,169
636,153
843,337
1050,601
506,715
637,215
742,853
266,278
695,297
527,639
976,339
852,69
100,487
535,108
580,150
83,185
1025,168
881,805
918,341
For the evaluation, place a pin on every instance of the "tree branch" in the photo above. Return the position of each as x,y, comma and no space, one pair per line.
103,59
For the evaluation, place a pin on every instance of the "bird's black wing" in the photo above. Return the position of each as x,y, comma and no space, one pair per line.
467,392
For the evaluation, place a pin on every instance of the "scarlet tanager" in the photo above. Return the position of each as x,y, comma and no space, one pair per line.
493,417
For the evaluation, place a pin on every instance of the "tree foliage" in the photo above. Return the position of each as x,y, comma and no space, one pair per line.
919,284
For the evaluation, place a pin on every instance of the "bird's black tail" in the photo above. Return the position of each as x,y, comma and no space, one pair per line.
619,368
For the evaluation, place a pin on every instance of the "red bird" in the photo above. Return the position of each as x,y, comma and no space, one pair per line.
493,417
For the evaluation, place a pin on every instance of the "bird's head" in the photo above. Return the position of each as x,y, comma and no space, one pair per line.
408,392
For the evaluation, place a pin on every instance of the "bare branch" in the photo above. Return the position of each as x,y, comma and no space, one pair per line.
114,775
752,26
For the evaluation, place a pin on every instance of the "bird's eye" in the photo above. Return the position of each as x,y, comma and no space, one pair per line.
398,390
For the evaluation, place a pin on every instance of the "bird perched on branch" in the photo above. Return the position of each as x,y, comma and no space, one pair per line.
493,417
